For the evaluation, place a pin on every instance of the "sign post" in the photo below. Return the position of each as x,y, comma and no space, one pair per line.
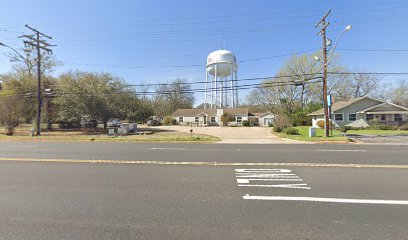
329,104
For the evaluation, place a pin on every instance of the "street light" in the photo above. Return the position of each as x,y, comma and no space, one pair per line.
327,42
348,27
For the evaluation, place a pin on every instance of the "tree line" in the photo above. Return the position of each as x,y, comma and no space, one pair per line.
297,88
76,96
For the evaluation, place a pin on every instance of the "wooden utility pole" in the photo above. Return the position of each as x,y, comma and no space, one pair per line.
322,32
36,41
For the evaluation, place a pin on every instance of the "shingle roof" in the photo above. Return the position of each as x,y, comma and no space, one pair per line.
194,112
340,105
237,111
212,112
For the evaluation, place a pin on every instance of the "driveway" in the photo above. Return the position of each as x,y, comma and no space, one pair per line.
381,139
240,135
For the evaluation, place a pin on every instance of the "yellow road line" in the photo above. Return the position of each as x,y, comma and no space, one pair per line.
341,165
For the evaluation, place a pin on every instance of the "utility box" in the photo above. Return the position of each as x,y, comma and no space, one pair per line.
133,127
312,132
111,131
125,128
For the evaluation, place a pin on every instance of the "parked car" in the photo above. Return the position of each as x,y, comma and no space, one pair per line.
89,123
153,123
64,124
114,123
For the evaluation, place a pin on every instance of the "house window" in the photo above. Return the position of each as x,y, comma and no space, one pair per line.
369,117
239,119
181,119
397,117
352,117
383,117
213,119
196,119
338,117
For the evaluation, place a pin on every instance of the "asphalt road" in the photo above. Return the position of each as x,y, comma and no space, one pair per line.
170,191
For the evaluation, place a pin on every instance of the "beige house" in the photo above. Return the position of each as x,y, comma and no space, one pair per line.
363,108
212,117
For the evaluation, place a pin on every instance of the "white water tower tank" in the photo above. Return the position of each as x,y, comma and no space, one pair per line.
224,60
221,79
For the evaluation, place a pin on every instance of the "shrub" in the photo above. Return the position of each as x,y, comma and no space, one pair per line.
282,121
277,129
167,120
226,118
404,127
245,123
174,122
376,125
291,131
320,123
270,124
300,119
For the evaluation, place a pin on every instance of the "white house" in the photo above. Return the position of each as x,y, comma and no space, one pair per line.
363,108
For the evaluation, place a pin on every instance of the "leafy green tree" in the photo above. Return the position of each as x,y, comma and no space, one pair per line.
10,106
99,96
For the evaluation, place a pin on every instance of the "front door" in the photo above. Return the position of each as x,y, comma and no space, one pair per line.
205,119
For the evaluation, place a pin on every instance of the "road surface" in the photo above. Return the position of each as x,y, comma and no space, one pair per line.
202,191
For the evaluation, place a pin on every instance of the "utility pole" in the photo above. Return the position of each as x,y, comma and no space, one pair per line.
37,41
322,32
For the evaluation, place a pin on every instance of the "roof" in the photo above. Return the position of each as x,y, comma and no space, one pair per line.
236,111
404,109
260,114
341,104
194,112
360,123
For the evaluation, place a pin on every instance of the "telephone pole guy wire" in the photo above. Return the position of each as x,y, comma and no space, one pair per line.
37,41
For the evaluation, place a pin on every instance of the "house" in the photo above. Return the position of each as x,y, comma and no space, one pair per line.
212,117
263,119
363,108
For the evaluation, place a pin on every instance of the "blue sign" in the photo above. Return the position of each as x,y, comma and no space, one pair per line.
329,100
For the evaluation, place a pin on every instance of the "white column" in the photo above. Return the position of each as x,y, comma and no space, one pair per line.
216,86
206,89
232,99
222,92
236,89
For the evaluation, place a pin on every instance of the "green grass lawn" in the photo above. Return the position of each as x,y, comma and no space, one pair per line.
304,135
337,135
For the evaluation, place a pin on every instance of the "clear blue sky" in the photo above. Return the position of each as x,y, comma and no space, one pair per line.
138,39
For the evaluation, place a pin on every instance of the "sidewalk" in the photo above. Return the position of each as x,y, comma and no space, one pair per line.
236,135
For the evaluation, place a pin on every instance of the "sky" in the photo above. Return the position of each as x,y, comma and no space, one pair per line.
157,41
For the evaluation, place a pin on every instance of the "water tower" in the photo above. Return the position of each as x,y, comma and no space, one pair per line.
221,75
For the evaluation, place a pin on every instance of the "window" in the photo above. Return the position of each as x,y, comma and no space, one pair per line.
239,119
181,119
397,117
196,119
352,117
369,117
383,117
338,117
213,119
